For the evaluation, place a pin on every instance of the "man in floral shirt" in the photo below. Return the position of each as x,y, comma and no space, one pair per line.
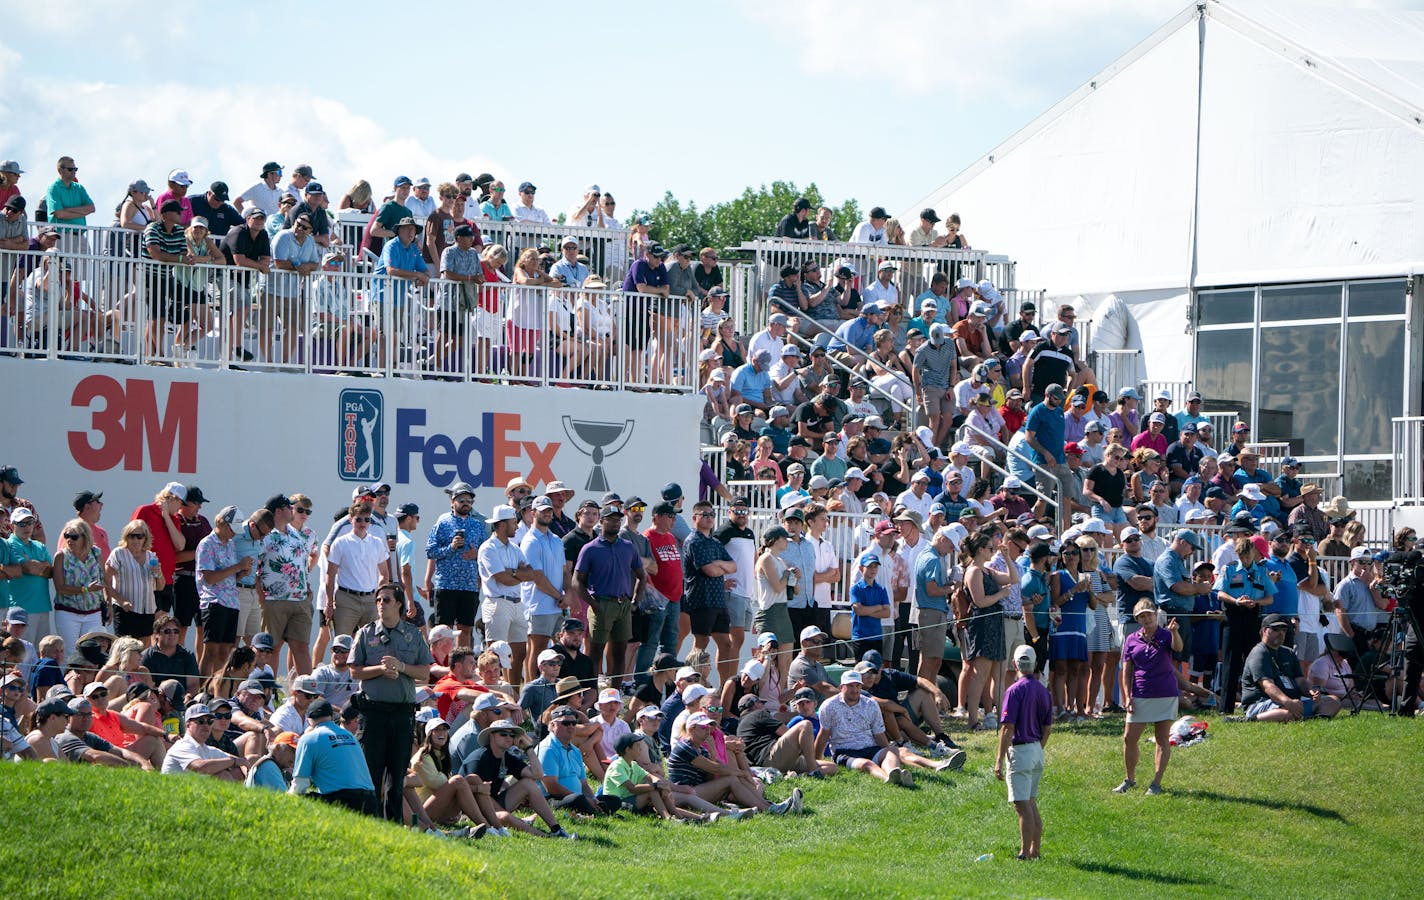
218,568
454,546
282,587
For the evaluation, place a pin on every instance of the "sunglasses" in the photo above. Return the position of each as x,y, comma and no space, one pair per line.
169,631
205,720
1133,539
72,535
16,687
69,168
362,519
226,715
304,510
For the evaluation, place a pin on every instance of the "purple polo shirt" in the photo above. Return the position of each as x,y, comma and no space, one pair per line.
1152,674
642,273
609,566
1029,708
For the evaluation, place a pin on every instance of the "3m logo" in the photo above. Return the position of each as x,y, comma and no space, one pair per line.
359,448
131,429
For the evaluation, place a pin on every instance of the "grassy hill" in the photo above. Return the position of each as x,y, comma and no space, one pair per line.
1325,809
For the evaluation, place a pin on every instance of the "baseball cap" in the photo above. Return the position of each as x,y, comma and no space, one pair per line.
1025,658
811,633
1275,620
197,711
694,692
851,677
649,712
1191,537
441,633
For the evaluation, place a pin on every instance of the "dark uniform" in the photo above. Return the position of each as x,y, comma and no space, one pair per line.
388,705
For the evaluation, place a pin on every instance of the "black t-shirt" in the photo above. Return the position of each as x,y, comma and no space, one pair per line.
707,280
1282,667
891,683
1178,453
180,665
847,299
321,224
576,663
791,227
1012,332
650,694
242,240
574,541
814,419
757,729
1107,485
492,767
221,218
1050,366
893,486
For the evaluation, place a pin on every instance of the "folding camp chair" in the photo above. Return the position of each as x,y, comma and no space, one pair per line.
1361,682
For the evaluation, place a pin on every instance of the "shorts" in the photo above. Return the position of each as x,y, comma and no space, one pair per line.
545,626
739,611
1013,636
288,621
777,620
1266,704
352,611
1024,771
710,620
522,340
185,599
610,620
872,753
249,613
418,620
163,598
934,625
1114,516
504,620
454,607
134,625
937,402
219,624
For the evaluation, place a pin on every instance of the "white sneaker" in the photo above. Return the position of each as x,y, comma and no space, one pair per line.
907,778
714,816
960,712
780,809
797,801
897,775
561,834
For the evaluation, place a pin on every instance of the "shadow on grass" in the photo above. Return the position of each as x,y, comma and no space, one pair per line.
1283,805
1173,878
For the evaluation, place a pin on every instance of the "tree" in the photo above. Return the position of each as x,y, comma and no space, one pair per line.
753,214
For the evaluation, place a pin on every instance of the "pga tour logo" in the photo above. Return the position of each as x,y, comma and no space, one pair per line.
360,457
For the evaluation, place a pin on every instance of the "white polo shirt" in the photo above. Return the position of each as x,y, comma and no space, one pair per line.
358,559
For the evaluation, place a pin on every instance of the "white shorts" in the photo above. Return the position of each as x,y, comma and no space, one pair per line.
488,325
1025,770
504,620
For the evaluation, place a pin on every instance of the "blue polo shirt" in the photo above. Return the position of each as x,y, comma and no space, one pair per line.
750,383
1171,569
1287,601
544,551
246,545
642,273
857,332
395,255
1047,426
867,628
331,757
66,196
931,567
1127,597
564,762
609,566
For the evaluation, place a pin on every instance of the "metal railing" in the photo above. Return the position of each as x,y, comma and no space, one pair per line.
1053,499
1271,453
213,316
1117,369
1408,445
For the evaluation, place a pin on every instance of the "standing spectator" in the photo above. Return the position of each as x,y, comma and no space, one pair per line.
588,212
30,591
495,206
1024,727
313,206
873,230
543,594
10,173
213,206
609,575
452,550
503,571
68,205
420,203
248,543
794,224
706,565
264,195
707,273
358,197
79,589
132,576
388,676
295,255
382,226
178,184
302,176
356,564
1149,690
441,223
526,211
282,586
218,567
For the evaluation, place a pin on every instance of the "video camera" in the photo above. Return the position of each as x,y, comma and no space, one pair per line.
1403,576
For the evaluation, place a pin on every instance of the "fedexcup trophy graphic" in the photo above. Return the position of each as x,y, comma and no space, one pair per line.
598,440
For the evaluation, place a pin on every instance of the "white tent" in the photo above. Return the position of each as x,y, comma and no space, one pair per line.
1243,143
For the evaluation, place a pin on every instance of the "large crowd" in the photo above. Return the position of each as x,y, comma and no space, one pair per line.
1040,552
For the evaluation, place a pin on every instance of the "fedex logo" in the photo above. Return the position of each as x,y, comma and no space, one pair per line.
488,458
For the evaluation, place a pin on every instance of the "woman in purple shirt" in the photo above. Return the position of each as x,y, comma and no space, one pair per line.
1149,683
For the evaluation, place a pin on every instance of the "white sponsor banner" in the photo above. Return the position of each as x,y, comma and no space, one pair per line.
244,436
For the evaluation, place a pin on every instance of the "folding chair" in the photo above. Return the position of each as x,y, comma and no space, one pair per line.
1360,682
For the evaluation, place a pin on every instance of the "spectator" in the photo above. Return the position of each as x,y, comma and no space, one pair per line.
358,198
265,194
329,761
495,207
68,205
707,273
495,762
526,211
132,579
420,203
873,230
220,215
193,753
78,744
357,563
503,570
883,289
167,658
10,173
78,572
589,212
1272,681
29,570
794,225
282,219
384,224
608,574
302,176
854,728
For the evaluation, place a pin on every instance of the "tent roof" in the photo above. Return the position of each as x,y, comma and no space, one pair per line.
1377,55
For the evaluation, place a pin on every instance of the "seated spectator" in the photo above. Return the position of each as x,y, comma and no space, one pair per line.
635,789
495,762
690,763
853,727
1272,683
192,753
358,198
274,771
444,794
78,744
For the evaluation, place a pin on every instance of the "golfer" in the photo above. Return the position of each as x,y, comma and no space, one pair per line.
1149,682
1023,731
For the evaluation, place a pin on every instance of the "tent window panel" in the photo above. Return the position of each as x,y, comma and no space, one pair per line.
1224,370
1298,387
1374,384
1300,302
1226,307
1377,298
1369,479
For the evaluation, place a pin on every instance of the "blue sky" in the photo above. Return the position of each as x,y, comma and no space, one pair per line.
878,102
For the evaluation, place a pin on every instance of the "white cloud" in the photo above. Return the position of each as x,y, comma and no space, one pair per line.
117,133
966,48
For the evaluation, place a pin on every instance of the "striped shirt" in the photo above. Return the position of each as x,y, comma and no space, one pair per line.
134,582
173,242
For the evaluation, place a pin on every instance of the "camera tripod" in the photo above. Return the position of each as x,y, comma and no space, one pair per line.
1390,661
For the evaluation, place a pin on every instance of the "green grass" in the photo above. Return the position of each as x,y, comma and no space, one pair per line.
1321,809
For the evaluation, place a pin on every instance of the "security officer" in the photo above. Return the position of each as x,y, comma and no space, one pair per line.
329,759
390,655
